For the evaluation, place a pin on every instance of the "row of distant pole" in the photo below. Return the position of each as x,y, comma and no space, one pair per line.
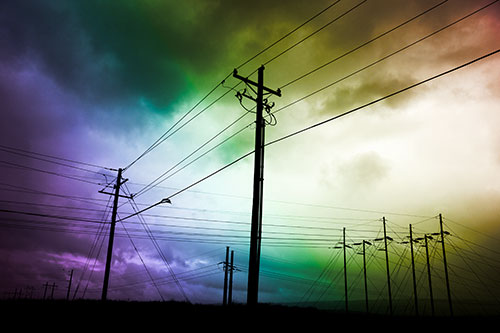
411,241
48,290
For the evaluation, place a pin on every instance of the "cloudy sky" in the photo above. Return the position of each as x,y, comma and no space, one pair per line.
87,86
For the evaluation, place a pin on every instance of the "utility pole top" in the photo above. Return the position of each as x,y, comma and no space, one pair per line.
253,83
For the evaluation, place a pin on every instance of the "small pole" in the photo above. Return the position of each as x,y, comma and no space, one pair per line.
364,273
429,274
445,265
387,266
226,266
345,275
231,269
69,285
413,272
46,285
53,288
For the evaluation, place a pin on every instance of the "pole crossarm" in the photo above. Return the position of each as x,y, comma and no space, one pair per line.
255,84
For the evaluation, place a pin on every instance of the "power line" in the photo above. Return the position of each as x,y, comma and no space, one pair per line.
48,172
157,181
379,60
316,31
27,153
166,135
319,124
363,44
384,97
289,33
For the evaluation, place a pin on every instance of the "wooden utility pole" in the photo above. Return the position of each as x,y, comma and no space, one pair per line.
445,264
258,183
69,285
231,270
364,273
109,256
413,272
345,273
429,272
226,268
387,266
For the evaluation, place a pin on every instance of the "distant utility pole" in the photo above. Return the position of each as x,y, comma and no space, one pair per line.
231,270
258,183
387,266
426,237
69,285
345,272
109,256
226,267
413,272
445,263
364,273
45,286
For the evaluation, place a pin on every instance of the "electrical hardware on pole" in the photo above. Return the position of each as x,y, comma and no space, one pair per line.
258,181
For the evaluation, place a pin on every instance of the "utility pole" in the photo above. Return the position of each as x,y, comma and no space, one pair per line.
231,269
345,274
387,266
45,286
445,264
109,256
258,183
54,286
413,272
364,273
69,285
226,267
429,272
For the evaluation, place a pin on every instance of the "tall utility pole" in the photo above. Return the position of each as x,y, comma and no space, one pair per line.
258,183
445,264
426,237
109,256
387,266
413,272
345,274
226,268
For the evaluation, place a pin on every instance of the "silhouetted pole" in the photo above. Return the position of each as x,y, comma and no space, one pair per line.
69,285
387,266
111,236
345,275
46,285
364,273
226,268
231,269
413,272
429,274
54,286
445,264
258,185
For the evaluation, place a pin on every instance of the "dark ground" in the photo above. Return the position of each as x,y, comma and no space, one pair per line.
170,316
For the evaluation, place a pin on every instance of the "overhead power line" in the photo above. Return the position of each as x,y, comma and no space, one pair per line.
355,72
377,61
167,199
383,98
166,135
28,153
363,44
